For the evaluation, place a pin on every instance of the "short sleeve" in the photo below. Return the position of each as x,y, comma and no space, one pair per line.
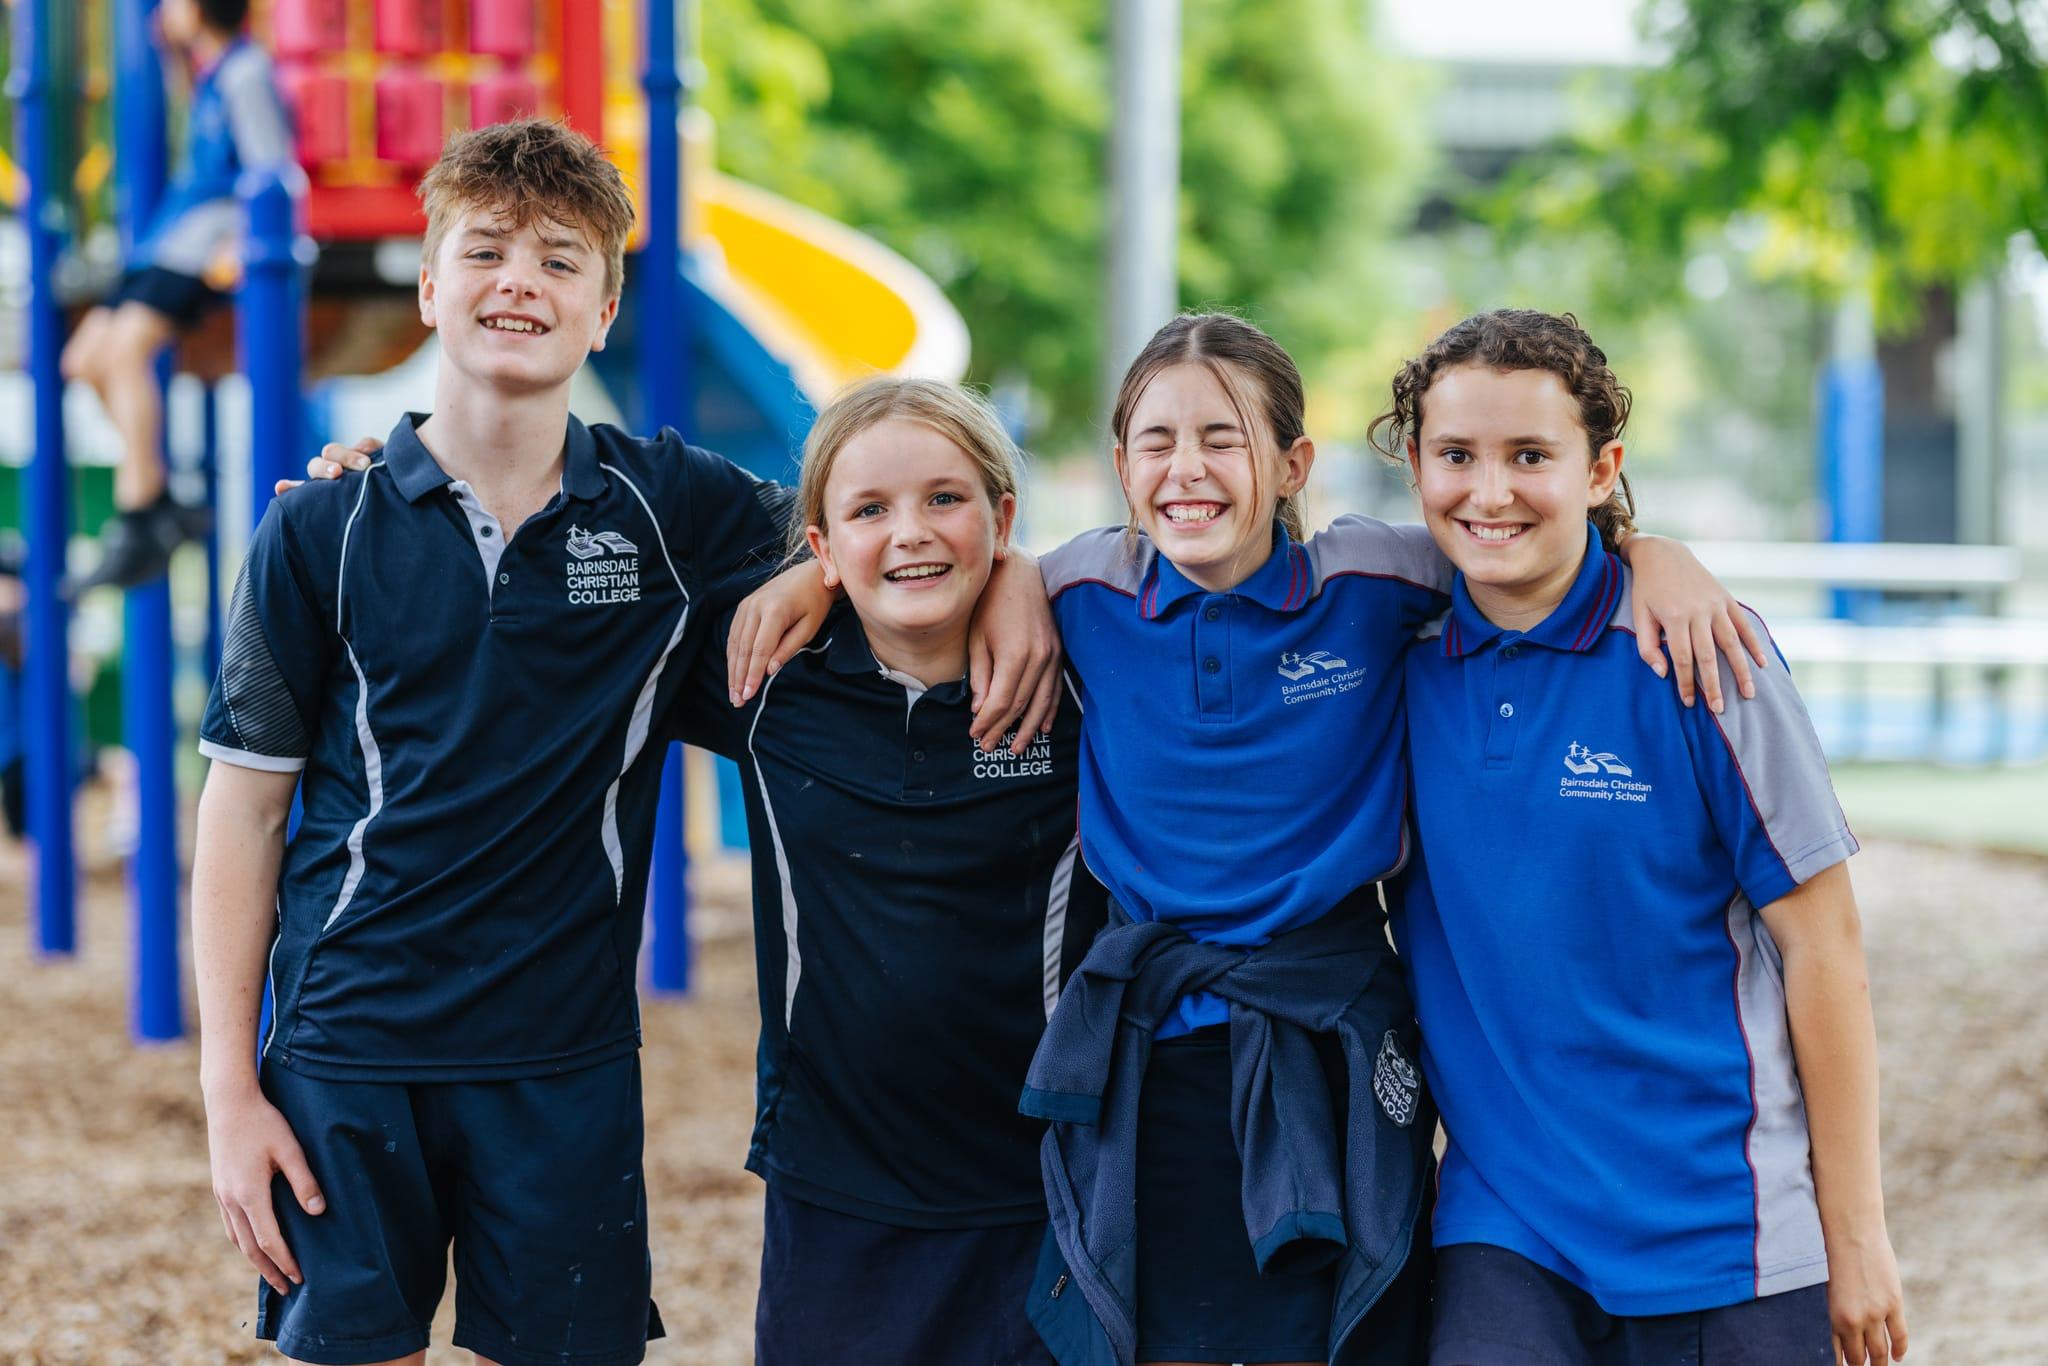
702,713
278,648
257,120
740,525
1766,785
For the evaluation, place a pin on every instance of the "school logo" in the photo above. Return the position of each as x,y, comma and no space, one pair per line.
1315,673
605,567
587,545
1601,776
1293,665
1582,761
1396,1083
1000,763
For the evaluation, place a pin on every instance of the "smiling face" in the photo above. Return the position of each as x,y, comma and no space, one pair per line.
517,308
1505,476
911,532
1201,485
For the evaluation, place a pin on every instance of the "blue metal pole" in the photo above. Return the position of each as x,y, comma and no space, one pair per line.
47,714
1852,445
209,474
271,330
665,380
141,167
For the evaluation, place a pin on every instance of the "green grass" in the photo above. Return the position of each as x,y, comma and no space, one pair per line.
1983,808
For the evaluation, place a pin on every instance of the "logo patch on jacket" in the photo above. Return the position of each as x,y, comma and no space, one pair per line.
1395,1082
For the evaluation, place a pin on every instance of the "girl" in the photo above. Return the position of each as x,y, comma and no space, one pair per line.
1635,953
915,896
1248,1189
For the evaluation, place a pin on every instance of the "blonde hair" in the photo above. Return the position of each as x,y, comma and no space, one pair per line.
527,170
1240,355
961,416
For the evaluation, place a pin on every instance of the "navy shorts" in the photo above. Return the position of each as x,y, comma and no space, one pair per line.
1497,1308
1201,1295
184,299
537,1182
854,1292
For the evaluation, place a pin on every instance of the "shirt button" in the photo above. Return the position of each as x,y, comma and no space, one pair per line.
504,578
1510,652
484,532
1507,709
1213,613
1210,666
917,755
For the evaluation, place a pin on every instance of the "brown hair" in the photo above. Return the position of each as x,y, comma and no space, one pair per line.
529,169
1239,355
960,415
1521,339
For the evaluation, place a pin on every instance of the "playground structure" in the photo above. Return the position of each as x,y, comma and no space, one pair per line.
744,309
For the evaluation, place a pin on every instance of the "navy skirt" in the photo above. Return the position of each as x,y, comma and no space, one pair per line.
1201,1296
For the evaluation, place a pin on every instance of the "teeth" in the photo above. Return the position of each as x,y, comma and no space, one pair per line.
1494,533
512,325
918,571
1184,512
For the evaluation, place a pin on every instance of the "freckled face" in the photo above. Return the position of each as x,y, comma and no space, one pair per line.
910,531
1505,478
1200,485
517,309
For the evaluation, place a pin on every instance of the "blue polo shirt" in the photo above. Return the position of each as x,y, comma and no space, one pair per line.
1241,764
1602,1007
470,707
918,904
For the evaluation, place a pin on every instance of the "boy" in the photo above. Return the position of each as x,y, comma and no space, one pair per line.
465,649
237,121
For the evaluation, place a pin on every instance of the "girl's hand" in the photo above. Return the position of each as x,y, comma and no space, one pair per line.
1013,656
333,459
776,620
1865,1304
1681,607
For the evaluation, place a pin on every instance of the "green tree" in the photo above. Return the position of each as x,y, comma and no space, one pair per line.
971,138
1893,143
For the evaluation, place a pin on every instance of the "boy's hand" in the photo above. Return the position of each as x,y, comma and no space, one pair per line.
1865,1304
333,459
1013,656
776,620
1681,607
248,1141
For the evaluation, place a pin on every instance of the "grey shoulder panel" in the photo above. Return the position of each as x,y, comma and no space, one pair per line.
1772,741
256,114
260,708
1104,555
1354,544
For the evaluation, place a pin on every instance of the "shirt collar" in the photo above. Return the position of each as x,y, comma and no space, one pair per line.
1574,625
417,473
1281,583
848,652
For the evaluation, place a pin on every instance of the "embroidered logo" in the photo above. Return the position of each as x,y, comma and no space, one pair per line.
1315,673
1599,776
1396,1083
605,567
588,545
1000,763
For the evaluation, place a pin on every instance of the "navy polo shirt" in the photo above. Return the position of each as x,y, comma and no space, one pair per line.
1241,764
1602,1007
918,904
471,708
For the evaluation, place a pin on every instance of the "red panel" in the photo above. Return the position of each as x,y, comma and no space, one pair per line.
320,109
409,123
582,58
508,95
410,28
362,215
308,28
502,28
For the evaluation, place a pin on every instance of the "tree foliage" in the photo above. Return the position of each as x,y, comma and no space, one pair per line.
972,138
1893,143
